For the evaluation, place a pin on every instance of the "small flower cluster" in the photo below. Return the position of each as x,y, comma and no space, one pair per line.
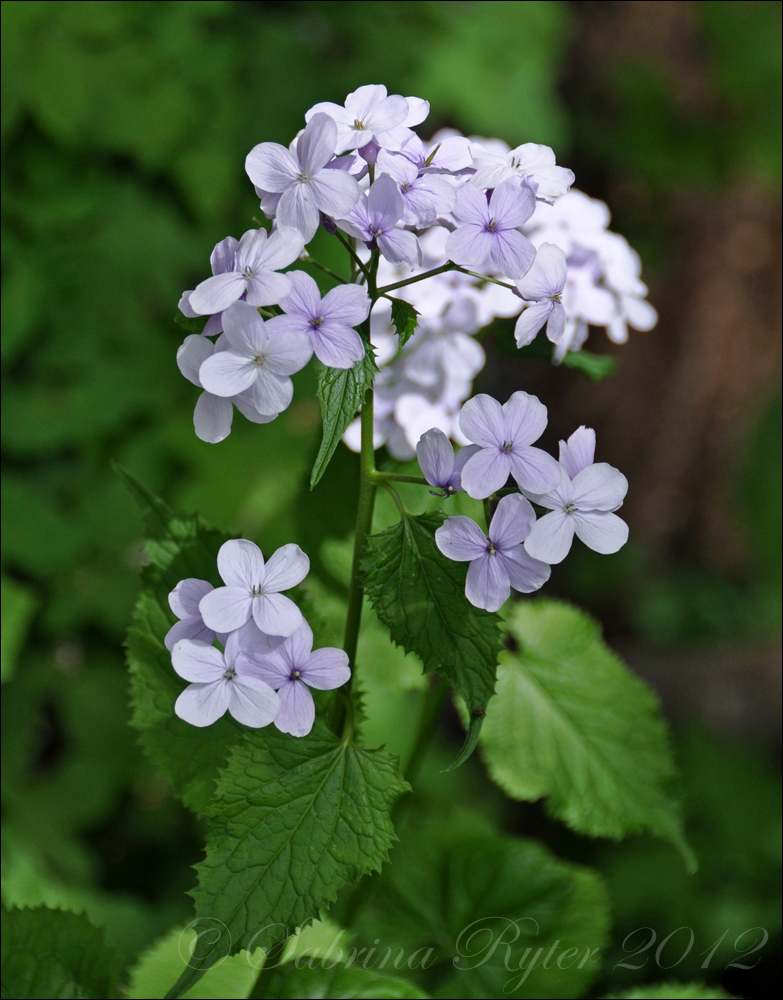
267,665
580,494
503,222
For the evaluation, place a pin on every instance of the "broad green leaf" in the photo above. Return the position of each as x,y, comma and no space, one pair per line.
330,979
54,953
193,324
341,392
570,723
419,595
19,605
405,319
494,916
673,991
597,367
293,821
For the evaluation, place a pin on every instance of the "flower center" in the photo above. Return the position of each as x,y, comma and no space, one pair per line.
405,186
507,446
492,225
492,548
295,675
230,674
570,508
258,359
258,590
317,322
248,272
359,126
556,297
375,232
303,178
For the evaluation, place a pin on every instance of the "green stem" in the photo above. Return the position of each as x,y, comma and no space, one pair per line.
428,720
364,511
418,277
485,277
395,477
327,270
354,256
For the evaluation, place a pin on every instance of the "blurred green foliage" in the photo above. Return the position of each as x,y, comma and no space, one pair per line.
124,129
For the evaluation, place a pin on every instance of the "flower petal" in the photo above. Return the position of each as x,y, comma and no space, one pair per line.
304,299
217,293
191,355
601,531
579,451
485,472
212,418
556,324
227,373
298,210
386,114
226,608
203,704
534,470
252,702
525,573
547,276
599,487
326,669
336,345
471,206
286,568
316,145
512,203
197,662
348,304
272,393
550,538
399,246
267,288
511,252
286,353
297,709
276,614
185,597
270,666
385,203
436,457
470,245
281,248
459,464
335,192
460,538
223,255
244,329
530,322
483,421
188,628
525,419
487,585
512,521
240,564
271,167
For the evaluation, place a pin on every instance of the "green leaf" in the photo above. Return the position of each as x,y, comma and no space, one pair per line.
341,392
673,990
419,595
571,723
193,324
294,820
19,605
405,319
54,953
488,912
287,982
597,367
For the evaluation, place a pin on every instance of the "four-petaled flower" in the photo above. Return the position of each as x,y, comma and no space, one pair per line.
328,322
488,237
543,286
294,667
437,461
220,683
257,360
300,176
374,220
221,261
257,260
498,561
183,601
253,589
582,503
506,434
530,160
367,115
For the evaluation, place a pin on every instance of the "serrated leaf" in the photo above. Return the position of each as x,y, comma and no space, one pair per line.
333,980
293,821
54,953
187,757
341,392
419,595
572,724
405,319
673,991
489,908
597,367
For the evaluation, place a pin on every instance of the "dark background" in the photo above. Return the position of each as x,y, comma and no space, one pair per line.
124,132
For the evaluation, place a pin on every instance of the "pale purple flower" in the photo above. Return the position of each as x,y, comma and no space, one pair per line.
299,176
506,434
220,683
488,237
530,160
374,219
328,322
437,461
221,261
257,260
258,360
253,589
294,667
425,196
183,601
213,415
448,154
498,561
542,287
368,113
581,505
